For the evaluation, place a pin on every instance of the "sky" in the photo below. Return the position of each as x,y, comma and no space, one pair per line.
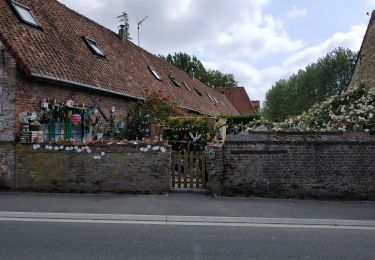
259,41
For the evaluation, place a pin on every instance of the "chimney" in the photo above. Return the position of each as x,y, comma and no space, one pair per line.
123,33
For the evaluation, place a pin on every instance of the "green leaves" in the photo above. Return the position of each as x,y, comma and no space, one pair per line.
195,68
326,77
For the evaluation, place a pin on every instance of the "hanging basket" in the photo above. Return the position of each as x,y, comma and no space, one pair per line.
76,119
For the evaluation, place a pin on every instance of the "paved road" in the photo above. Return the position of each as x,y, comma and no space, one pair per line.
188,205
33,240
73,226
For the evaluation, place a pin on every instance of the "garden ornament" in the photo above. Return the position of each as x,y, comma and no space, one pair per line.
196,137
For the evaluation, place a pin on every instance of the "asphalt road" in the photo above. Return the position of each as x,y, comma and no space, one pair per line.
182,226
34,240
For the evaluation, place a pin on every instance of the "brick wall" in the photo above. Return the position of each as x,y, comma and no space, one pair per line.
295,165
31,92
122,169
364,70
7,95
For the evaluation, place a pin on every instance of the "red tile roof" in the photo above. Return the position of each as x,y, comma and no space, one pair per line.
239,98
58,52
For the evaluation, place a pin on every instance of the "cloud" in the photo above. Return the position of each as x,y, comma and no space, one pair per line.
370,2
258,81
296,12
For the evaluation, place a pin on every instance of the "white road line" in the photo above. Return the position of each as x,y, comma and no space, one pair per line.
187,220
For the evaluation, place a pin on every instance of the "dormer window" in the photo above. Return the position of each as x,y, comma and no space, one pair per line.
94,47
186,86
155,73
24,14
198,92
174,81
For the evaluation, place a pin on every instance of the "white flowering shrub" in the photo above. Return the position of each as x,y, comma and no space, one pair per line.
353,110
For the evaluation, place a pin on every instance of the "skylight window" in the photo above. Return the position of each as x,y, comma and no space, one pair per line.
198,92
94,47
174,80
155,73
210,97
186,86
222,102
24,13
217,102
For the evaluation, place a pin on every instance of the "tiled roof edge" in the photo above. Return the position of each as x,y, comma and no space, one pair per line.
69,82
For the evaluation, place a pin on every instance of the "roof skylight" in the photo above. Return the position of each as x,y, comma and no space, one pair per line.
155,73
94,47
174,80
217,102
198,92
24,14
186,86
210,97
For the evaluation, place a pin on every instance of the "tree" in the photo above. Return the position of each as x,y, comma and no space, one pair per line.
325,77
217,79
195,68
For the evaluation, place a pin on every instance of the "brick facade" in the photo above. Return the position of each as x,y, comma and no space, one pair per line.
8,73
302,165
365,66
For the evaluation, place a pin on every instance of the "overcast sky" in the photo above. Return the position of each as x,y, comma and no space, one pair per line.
259,41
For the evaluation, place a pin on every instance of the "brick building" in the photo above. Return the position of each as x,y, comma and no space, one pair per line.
240,100
365,65
52,57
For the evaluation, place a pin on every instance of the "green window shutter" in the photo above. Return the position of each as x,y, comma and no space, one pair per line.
68,129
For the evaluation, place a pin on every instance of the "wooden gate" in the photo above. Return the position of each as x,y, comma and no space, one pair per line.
188,170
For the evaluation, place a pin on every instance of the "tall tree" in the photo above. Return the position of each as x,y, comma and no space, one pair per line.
195,68
325,77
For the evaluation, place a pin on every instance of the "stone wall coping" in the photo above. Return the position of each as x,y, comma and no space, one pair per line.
298,138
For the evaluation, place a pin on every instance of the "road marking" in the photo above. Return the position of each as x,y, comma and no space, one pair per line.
187,220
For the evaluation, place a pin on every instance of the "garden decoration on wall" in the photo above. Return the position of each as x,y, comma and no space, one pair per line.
66,121
188,133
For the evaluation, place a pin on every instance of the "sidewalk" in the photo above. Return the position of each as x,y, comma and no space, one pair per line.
186,204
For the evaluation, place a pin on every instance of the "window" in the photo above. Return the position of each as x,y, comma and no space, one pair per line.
186,86
24,14
222,102
217,102
155,73
174,81
94,47
198,92
210,97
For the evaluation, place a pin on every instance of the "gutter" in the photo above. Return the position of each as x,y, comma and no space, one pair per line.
69,82
86,86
